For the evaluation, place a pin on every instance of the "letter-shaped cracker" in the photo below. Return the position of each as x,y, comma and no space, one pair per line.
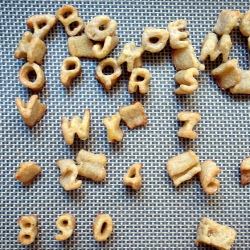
66,223
112,124
243,87
187,81
154,40
28,229
108,80
81,46
139,81
183,167
213,48
102,227
208,174
91,166
25,76
133,177
41,24
190,119
132,55
227,21
185,58
100,27
214,234
245,171
31,112
228,74
102,50
27,172
76,126
245,26
69,172
134,115
68,16
178,34
70,69
31,48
